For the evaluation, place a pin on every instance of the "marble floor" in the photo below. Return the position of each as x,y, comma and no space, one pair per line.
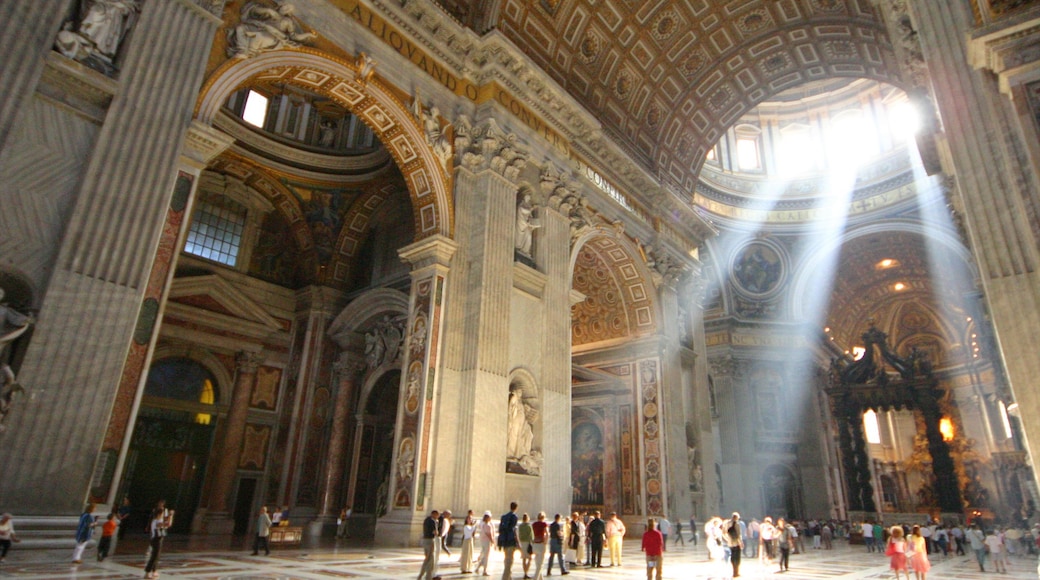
204,560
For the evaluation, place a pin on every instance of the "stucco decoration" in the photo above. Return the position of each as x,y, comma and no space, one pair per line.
263,28
94,38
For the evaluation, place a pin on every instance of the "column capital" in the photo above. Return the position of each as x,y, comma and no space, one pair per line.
248,361
725,366
348,365
435,250
203,144
485,145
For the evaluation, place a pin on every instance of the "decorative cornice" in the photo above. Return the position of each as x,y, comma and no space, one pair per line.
494,59
488,146
435,250
203,144
210,9
339,164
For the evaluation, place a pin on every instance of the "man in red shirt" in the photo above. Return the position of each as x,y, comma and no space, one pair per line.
653,545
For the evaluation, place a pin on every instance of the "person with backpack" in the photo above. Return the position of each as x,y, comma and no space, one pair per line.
507,539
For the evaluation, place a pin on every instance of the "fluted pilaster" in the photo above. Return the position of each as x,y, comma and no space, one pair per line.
93,303
997,189
27,30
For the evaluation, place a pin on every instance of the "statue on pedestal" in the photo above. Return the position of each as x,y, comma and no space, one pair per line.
95,40
525,225
262,29
520,455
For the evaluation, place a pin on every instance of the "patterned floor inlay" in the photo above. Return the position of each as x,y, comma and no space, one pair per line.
184,562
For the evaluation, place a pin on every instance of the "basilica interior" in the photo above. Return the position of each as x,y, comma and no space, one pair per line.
660,258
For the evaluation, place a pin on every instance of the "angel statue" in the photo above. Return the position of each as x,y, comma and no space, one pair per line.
12,325
262,29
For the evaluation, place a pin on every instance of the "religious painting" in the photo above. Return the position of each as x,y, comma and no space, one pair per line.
587,464
758,268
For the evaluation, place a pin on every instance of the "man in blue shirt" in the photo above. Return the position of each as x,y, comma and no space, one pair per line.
507,539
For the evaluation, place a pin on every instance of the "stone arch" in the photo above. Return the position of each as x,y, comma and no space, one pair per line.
370,100
355,227
804,274
357,315
617,266
224,376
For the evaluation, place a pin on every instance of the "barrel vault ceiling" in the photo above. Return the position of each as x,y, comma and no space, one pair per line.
667,78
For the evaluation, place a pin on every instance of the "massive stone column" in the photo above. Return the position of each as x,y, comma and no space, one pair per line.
93,302
552,256
475,387
27,30
234,429
996,184
202,144
316,309
416,430
345,373
673,409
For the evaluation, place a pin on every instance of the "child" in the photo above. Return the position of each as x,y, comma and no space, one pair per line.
897,551
108,529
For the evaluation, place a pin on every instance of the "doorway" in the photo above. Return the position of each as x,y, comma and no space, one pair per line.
372,478
171,442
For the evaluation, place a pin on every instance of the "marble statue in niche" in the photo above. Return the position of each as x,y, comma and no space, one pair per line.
526,223
95,38
521,457
13,324
262,29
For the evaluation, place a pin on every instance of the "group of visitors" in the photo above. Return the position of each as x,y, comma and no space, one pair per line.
731,539
575,540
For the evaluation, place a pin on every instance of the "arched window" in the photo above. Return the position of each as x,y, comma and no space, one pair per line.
184,380
749,145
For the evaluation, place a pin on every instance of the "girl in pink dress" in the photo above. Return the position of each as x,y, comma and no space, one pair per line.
919,560
896,551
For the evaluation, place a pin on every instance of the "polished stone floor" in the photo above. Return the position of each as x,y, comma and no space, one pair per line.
206,559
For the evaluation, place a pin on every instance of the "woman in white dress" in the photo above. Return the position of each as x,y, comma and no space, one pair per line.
469,529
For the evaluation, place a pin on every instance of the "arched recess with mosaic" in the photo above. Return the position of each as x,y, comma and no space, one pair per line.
618,439
364,96
619,294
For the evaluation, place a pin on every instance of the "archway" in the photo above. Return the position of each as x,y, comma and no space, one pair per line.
171,441
617,455
371,478
364,96
780,495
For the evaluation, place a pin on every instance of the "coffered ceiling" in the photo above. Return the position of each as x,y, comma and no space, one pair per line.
666,78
